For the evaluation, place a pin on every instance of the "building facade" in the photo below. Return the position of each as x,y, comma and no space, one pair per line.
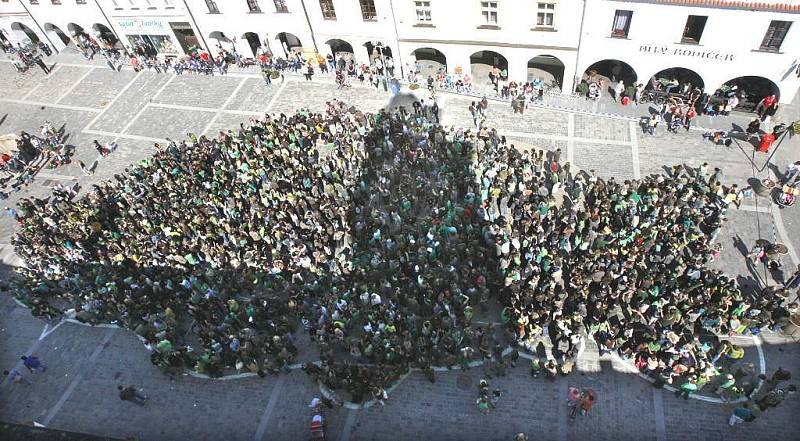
707,43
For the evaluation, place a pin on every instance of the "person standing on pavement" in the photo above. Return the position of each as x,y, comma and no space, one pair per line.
753,128
618,90
792,173
435,111
33,363
309,72
475,113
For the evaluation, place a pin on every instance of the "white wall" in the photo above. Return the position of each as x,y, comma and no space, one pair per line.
734,34
456,33
68,12
235,19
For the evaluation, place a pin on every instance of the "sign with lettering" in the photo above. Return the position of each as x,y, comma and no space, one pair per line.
705,54
142,26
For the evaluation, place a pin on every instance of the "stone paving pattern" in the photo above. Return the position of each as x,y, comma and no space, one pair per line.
78,392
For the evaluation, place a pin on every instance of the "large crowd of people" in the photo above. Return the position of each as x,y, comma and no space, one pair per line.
381,235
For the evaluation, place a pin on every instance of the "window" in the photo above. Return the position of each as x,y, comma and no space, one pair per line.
622,23
280,6
327,9
253,5
212,7
423,11
80,2
776,32
489,12
55,2
546,13
694,29
368,10
34,2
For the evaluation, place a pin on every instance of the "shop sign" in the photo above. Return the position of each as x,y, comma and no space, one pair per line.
686,52
142,26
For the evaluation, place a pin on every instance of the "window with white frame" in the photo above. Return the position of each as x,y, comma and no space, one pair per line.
80,2
368,10
212,7
776,32
280,6
328,12
545,15
253,6
489,12
423,11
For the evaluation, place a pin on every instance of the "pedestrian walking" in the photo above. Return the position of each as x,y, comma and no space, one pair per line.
33,363
130,393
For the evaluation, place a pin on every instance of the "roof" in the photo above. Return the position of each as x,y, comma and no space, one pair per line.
749,5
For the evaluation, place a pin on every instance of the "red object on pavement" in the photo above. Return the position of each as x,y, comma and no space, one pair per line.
625,101
766,142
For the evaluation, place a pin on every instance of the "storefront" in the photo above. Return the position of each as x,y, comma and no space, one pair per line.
157,35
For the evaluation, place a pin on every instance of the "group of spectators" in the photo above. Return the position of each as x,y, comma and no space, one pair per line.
381,236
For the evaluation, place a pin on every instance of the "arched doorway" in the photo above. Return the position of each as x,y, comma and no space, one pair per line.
289,42
611,71
687,79
74,29
482,62
750,89
221,38
548,69
104,34
24,32
340,48
56,31
430,61
253,41
376,49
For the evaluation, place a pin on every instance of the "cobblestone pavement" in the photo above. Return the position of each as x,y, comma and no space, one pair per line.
78,391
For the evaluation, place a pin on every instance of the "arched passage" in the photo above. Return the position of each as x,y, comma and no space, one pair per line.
430,61
481,64
376,49
105,34
687,79
57,32
289,42
548,69
24,32
340,47
611,71
74,29
750,89
253,41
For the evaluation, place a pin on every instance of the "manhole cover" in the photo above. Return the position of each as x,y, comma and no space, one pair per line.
464,382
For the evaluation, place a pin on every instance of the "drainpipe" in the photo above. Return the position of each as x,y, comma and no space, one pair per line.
111,25
38,26
310,29
202,38
578,54
397,39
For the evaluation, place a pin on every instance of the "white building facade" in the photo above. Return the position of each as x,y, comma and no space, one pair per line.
707,43
526,38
